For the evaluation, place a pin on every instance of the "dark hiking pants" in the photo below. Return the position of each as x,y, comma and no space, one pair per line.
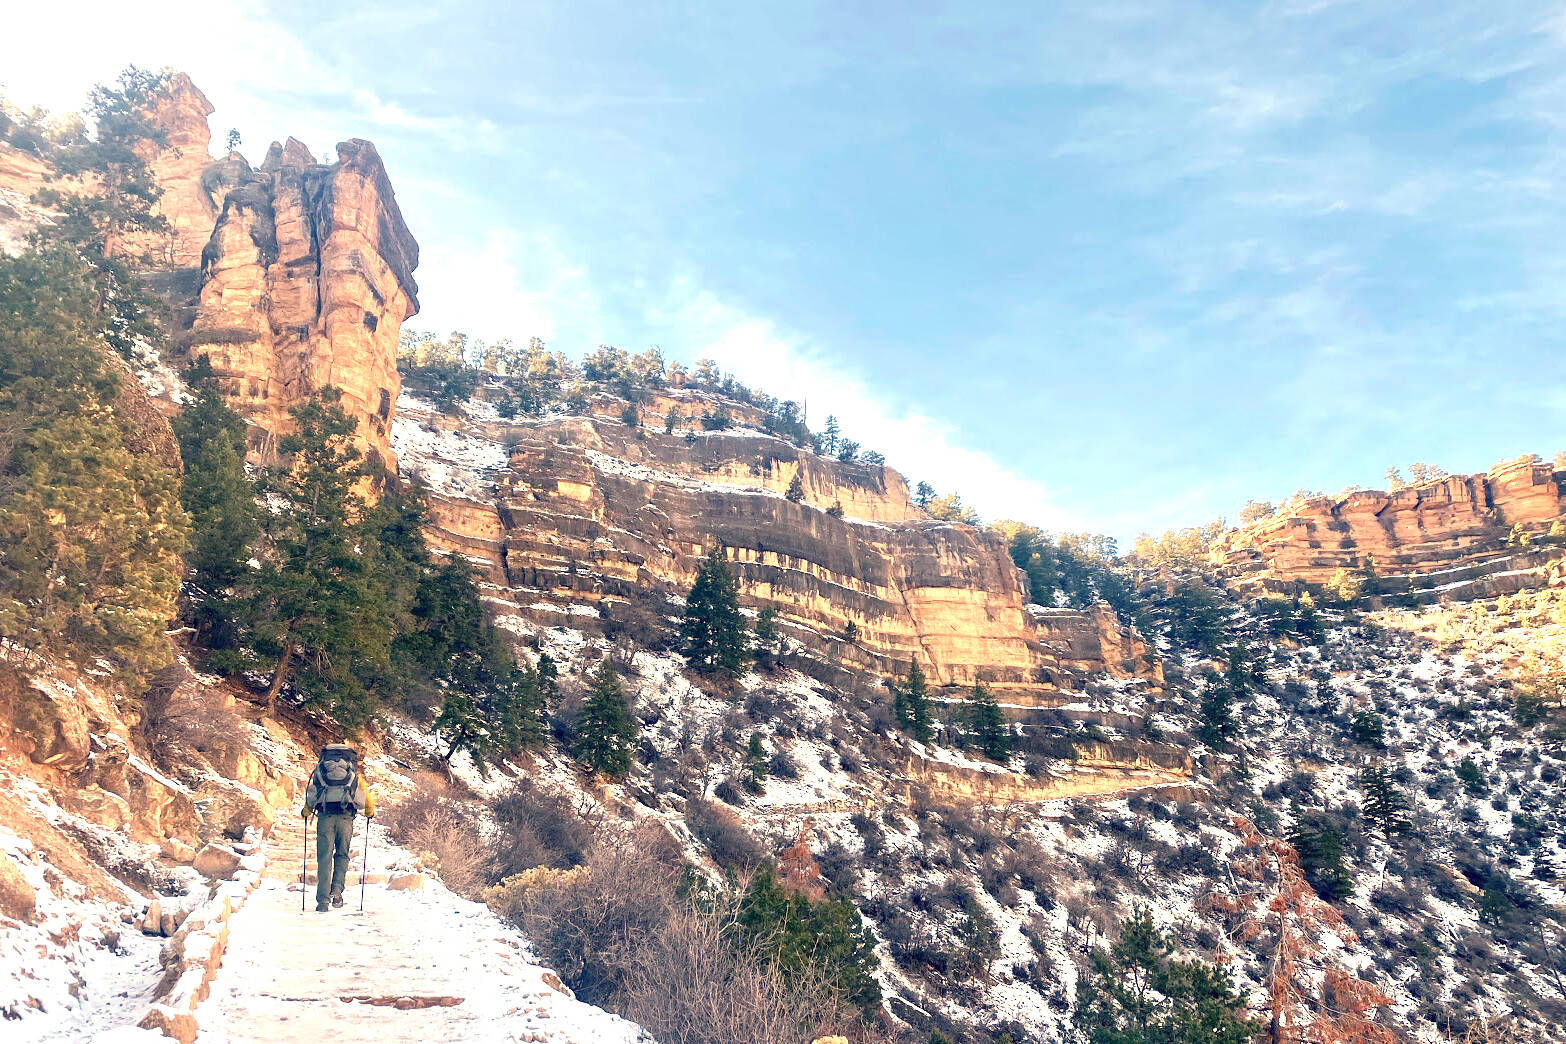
333,841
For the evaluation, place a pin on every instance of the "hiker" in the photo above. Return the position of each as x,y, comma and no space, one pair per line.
336,794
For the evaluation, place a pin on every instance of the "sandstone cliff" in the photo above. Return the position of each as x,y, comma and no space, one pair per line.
289,278
1445,537
588,516
305,283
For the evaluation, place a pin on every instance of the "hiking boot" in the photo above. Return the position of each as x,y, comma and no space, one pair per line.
321,908
337,900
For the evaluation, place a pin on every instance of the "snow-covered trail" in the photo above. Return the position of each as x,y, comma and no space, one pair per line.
291,976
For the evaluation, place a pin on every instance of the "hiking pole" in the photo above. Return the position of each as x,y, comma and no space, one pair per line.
304,860
364,870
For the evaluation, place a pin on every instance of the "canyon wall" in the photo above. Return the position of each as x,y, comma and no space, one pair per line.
305,283
1420,538
590,512
288,278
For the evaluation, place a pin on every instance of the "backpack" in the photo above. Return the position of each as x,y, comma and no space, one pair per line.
336,779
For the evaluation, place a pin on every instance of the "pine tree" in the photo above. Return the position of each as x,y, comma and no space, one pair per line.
1139,992
988,726
1320,850
796,489
114,228
755,764
316,606
713,631
90,521
766,638
923,494
1309,997
829,435
798,934
1386,806
219,499
912,705
605,730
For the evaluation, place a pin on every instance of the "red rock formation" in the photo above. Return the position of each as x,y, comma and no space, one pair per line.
305,283
1454,527
178,165
592,512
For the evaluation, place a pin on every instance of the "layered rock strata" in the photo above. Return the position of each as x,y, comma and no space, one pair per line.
598,515
1416,540
289,278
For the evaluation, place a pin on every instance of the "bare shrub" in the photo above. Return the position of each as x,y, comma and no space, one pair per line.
620,936
535,827
726,838
446,836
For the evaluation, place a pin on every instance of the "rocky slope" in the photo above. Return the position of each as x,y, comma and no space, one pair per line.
1443,538
588,513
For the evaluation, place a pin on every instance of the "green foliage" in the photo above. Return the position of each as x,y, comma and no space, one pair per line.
113,228
1182,548
1291,617
911,704
92,529
217,494
987,726
318,607
1369,728
796,489
1385,806
605,730
836,510
797,933
766,638
713,632
449,384
755,767
1345,587
717,421
1220,696
950,508
1320,848
1139,992
1471,777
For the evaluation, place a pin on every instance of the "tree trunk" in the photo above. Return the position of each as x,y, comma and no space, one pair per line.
279,675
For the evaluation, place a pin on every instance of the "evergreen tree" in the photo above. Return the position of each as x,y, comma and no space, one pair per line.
988,726
1386,806
1219,697
113,227
1320,849
1139,992
796,489
317,607
220,500
923,494
829,435
605,730
90,519
912,705
1369,728
755,764
766,636
713,631
799,933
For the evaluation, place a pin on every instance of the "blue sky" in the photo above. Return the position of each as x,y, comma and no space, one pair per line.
1114,266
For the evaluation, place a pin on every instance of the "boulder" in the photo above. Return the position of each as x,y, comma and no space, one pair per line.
96,805
176,850
53,719
228,809
152,921
18,900
216,861
406,883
